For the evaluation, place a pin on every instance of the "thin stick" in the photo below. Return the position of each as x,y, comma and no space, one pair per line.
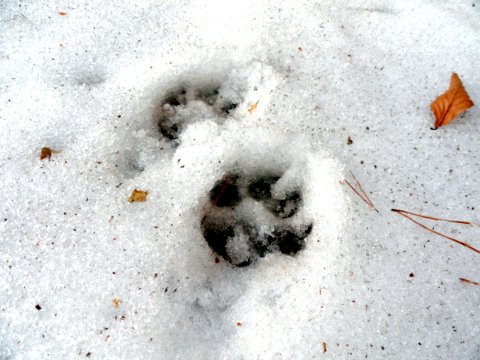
363,191
361,194
434,218
356,192
214,201
404,214
222,190
469,281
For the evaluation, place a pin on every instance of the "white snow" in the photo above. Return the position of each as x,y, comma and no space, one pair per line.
91,80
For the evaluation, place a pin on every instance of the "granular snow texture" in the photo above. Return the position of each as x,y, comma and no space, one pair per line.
242,120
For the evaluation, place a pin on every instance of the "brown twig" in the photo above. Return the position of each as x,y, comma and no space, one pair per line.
360,193
469,281
214,201
405,214
222,189
433,218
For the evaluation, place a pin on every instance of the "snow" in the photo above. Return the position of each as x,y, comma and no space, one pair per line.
340,87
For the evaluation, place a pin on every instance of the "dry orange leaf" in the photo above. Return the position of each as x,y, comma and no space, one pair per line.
138,196
253,107
451,103
62,13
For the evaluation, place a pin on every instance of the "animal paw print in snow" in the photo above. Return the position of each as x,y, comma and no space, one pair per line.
173,114
246,219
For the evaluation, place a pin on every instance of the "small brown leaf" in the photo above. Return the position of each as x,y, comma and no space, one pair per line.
62,13
253,107
46,153
451,103
138,196
116,303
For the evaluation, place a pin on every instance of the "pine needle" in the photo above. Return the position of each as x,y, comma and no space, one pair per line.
407,214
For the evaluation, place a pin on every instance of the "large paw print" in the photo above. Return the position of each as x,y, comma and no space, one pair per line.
247,219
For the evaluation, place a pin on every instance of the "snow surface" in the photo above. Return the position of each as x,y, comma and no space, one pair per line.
341,86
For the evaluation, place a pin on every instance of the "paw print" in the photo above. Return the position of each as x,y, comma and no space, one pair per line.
247,219
187,104
259,208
